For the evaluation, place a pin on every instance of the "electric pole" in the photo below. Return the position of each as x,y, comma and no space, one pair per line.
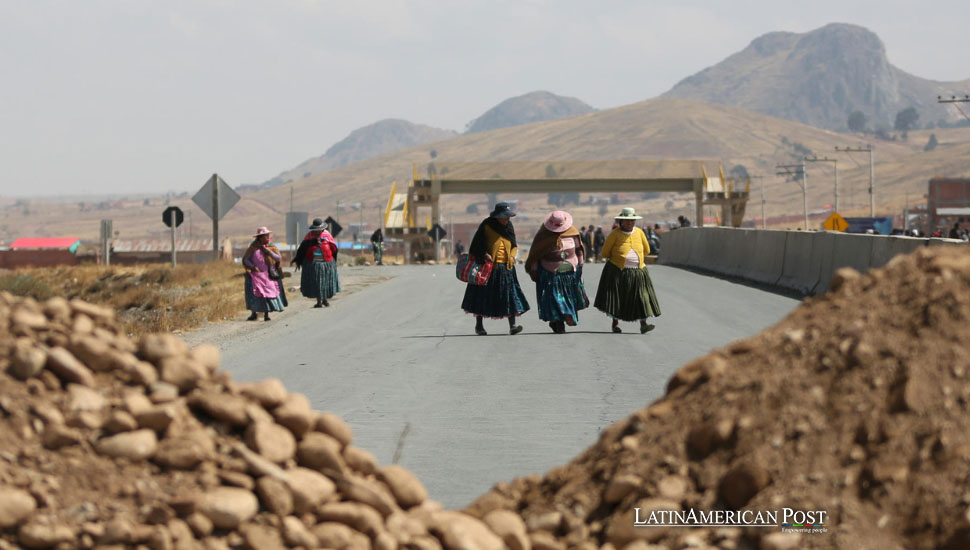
954,100
795,171
835,164
872,174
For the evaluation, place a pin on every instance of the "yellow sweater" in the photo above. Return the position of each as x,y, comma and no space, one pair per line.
618,244
500,248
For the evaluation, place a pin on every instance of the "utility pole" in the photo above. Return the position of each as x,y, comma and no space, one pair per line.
954,100
794,171
872,174
835,165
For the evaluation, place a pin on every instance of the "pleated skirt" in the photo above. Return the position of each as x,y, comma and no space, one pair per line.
264,305
499,298
560,294
319,280
626,294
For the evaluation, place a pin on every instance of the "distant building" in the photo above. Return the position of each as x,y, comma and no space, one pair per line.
142,251
40,252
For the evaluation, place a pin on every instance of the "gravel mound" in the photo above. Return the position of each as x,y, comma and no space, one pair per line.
856,404
109,442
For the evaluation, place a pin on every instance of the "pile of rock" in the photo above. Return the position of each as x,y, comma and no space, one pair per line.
857,404
109,443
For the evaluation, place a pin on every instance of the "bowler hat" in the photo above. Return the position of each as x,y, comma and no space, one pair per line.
318,225
628,214
502,210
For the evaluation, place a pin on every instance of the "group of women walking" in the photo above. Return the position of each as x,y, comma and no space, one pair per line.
555,263
316,257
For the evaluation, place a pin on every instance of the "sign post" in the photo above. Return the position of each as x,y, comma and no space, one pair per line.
215,198
172,216
437,233
106,234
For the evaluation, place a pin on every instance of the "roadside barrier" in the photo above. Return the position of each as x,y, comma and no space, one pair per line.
804,261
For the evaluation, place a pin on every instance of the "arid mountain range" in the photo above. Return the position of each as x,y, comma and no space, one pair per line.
532,107
819,78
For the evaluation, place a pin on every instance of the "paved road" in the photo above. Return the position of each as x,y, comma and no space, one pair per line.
400,362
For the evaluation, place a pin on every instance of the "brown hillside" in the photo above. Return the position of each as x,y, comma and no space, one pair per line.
654,129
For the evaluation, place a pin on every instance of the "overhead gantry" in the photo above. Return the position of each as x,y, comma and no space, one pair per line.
616,176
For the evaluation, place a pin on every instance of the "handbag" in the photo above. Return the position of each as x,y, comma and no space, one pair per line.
273,273
471,272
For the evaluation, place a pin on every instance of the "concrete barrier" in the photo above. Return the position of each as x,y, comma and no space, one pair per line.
675,247
823,248
885,248
797,273
945,242
766,259
741,251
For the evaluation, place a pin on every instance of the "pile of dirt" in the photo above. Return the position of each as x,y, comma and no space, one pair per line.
856,404
109,442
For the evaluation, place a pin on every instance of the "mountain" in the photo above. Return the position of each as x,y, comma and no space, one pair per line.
382,137
818,78
532,107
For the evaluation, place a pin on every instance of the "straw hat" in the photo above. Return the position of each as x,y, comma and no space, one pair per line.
262,231
628,214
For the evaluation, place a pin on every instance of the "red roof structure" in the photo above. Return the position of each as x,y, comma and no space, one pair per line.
35,243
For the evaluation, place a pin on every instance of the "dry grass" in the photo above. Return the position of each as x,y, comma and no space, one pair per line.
148,298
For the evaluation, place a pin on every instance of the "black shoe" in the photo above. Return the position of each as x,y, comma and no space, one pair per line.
513,330
266,317
480,331
554,326
645,328
616,329
318,304
326,303
253,317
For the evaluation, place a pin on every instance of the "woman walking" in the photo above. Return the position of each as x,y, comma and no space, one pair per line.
317,256
501,297
625,292
555,263
263,292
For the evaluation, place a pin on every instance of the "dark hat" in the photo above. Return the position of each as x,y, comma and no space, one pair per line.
502,210
318,225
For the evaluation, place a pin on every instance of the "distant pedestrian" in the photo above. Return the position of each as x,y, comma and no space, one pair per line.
587,238
555,263
377,243
459,248
955,232
625,291
599,239
317,256
264,287
501,297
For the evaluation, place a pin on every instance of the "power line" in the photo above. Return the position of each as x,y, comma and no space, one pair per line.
872,173
835,164
954,100
794,171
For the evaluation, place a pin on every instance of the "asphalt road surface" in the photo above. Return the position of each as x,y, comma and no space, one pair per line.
400,362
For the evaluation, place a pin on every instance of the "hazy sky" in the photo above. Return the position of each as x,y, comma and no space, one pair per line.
104,96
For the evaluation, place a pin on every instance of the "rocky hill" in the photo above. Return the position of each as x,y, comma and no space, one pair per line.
531,107
818,78
382,137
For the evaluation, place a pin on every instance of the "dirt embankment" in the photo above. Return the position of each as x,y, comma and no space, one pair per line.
856,404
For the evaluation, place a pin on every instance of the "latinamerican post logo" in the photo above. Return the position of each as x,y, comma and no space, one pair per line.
787,519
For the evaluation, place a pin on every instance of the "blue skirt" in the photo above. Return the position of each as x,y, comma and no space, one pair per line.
264,305
560,294
500,297
319,280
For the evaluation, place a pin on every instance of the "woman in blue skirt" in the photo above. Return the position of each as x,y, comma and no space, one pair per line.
317,256
555,263
501,297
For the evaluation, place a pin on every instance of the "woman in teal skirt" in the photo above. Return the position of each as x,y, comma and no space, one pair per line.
555,263
317,256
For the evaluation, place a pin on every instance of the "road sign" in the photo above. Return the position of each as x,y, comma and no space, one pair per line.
437,232
836,223
169,213
335,228
224,194
295,227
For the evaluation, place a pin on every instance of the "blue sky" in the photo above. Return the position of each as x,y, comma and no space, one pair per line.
107,96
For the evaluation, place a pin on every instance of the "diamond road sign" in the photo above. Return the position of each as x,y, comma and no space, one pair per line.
227,197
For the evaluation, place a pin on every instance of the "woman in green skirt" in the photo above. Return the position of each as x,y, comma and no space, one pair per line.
625,292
